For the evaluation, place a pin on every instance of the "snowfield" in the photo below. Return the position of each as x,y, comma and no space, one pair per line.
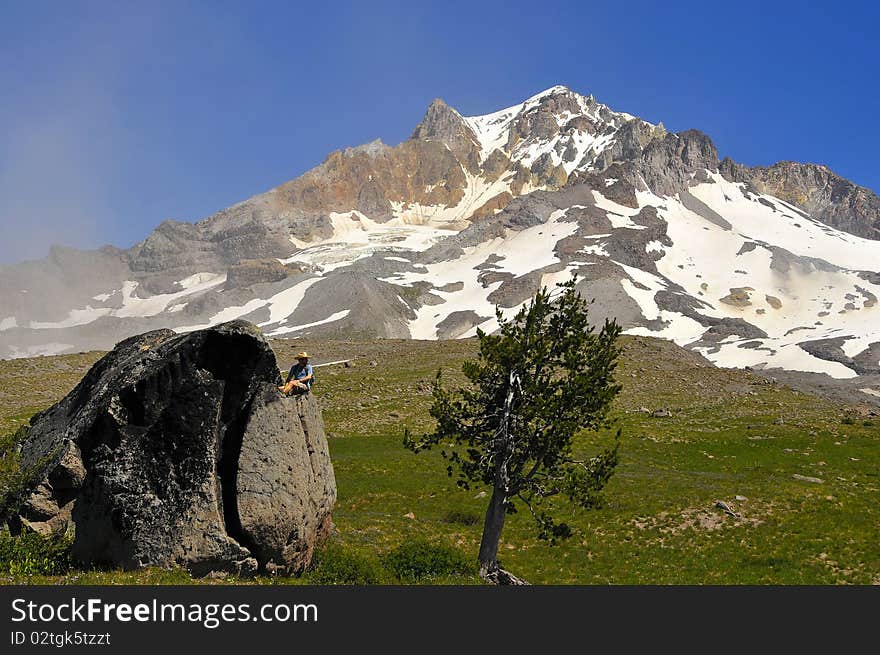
709,263
519,253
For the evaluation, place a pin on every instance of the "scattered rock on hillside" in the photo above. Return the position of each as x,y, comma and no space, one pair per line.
724,507
249,272
738,297
807,478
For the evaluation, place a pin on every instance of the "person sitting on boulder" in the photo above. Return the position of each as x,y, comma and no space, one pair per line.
299,380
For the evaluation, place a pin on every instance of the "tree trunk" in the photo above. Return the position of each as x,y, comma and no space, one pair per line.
492,527
490,571
494,523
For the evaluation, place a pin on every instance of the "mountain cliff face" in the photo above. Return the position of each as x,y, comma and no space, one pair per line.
767,267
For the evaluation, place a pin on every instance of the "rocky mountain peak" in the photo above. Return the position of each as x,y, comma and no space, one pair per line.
443,123
697,150
439,121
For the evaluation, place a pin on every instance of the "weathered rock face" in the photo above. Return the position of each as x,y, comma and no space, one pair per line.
285,486
666,164
444,124
249,272
179,450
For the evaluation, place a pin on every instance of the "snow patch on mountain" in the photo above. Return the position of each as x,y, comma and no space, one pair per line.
76,317
133,305
44,350
792,300
621,216
337,316
493,132
492,129
785,355
517,253
642,287
356,236
782,225
284,303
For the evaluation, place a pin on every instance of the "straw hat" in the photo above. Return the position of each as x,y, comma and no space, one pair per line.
303,355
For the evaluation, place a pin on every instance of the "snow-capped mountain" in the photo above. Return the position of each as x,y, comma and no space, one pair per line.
773,267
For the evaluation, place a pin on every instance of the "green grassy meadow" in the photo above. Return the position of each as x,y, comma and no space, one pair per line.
732,436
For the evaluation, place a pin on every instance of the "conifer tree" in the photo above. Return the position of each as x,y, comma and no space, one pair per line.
542,378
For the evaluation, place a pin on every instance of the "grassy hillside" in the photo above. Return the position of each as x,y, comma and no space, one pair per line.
732,436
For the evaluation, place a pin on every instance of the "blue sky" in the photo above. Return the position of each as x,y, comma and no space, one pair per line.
118,115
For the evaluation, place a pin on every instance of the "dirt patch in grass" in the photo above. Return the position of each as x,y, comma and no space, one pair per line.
700,519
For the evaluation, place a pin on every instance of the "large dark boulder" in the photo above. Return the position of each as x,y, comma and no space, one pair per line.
178,450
